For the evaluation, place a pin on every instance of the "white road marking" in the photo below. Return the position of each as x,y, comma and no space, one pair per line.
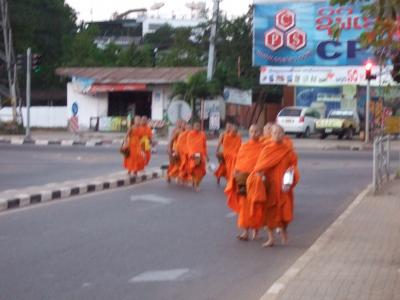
159,275
276,288
86,285
151,198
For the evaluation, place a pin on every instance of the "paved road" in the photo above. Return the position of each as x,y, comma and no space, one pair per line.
23,166
100,246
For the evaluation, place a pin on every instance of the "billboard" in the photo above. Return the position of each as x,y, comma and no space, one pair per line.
298,34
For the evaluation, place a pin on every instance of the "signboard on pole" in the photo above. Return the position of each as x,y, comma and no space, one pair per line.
236,96
215,121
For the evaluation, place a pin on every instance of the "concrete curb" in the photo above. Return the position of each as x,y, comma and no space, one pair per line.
41,142
76,189
280,285
86,143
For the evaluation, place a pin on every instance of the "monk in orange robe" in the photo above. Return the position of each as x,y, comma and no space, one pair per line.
146,138
196,144
230,142
135,161
174,159
235,190
266,183
182,148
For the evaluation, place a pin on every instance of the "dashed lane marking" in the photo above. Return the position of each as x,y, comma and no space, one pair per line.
159,275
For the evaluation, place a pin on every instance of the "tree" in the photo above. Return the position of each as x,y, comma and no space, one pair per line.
197,87
384,34
48,27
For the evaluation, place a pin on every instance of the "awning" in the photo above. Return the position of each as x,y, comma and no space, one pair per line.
117,87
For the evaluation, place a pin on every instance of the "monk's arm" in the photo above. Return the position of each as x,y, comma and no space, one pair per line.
220,140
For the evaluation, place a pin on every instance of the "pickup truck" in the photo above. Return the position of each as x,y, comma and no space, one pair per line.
339,122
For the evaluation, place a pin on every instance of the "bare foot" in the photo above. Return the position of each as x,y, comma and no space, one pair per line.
243,237
269,243
255,235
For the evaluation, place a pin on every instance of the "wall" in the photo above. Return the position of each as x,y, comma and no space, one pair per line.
40,116
88,105
160,101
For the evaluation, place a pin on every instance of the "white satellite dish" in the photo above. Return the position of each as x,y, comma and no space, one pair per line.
179,110
157,5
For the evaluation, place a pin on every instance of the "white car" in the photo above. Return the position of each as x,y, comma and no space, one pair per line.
298,120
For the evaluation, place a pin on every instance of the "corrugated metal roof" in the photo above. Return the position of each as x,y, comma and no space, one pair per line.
132,75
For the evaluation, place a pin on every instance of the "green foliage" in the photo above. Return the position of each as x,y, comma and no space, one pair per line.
48,27
383,35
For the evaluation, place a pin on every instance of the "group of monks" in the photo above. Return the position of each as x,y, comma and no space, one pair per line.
188,155
137,145
260,174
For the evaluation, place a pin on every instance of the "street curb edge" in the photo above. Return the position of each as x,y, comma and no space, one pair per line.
91,186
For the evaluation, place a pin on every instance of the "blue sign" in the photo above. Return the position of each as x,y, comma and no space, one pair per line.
298,34
74,108
331,96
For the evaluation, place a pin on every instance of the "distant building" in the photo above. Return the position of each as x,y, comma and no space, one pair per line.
124,32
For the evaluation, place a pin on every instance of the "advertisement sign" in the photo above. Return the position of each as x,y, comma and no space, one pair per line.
236,96
298,34
215,121
329,96
324,76
211,106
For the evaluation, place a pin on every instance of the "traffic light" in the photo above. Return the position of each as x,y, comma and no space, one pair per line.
368,71
36,60
396,67
21,62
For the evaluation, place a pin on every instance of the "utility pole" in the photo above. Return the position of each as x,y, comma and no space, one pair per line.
28,93
8,57
211,50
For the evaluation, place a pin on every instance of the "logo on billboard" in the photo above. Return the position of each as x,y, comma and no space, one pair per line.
285,33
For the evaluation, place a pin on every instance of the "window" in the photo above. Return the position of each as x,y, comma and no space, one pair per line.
290,112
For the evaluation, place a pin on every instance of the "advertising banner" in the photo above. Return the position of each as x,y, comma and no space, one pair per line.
298,34
324,76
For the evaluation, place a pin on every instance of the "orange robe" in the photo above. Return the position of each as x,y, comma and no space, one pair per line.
173,168
196,143
245,161
135,161
183,156
230,144
145,131
274,160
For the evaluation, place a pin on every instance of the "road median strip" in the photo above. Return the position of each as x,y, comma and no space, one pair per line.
28,198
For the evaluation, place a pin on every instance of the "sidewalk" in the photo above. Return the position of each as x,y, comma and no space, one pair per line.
358,257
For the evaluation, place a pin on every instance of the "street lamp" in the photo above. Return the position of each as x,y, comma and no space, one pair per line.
368,77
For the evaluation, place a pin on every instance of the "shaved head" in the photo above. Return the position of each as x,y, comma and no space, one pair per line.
137,120
254,132
197,126
267,129
277,133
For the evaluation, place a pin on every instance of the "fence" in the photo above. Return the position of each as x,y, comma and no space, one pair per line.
381,161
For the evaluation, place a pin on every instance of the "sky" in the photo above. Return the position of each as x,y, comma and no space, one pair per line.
102,10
